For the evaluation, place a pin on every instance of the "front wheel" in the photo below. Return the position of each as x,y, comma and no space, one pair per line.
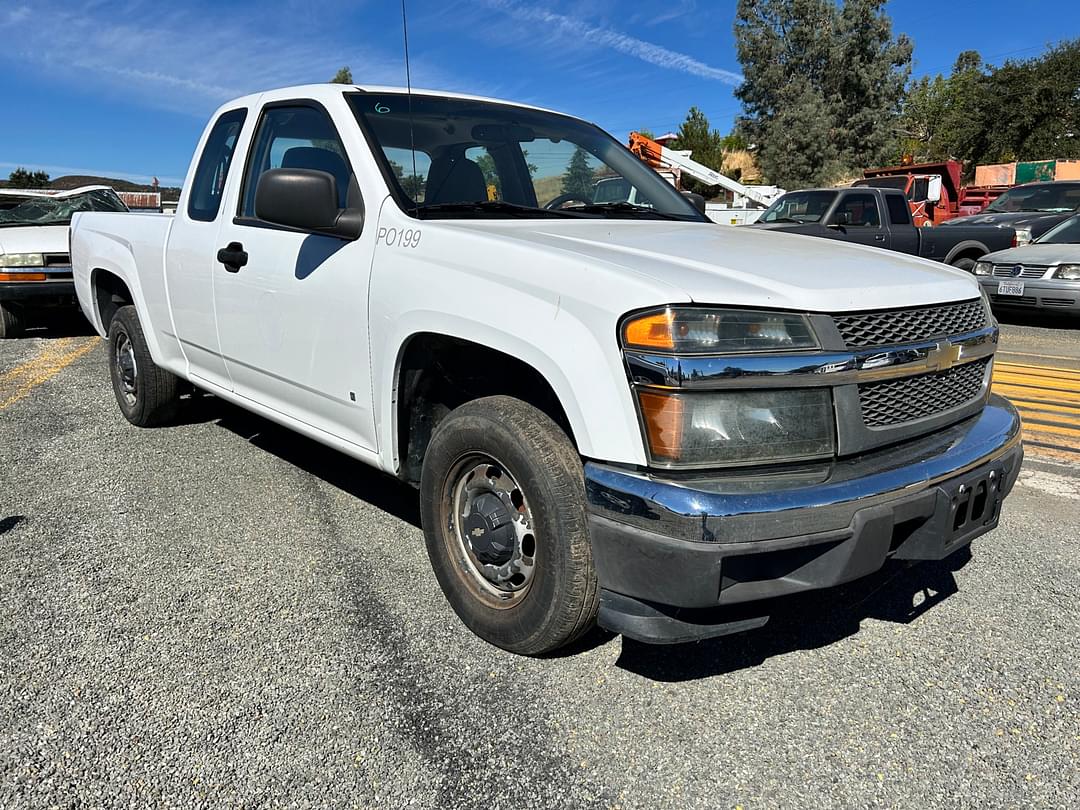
12,321
503,508
146,393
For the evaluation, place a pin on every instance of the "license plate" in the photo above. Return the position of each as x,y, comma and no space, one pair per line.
1010,288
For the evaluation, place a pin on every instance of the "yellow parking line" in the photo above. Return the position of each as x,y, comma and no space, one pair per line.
44,368
1035,427
52,348
1038,394
1046,408
1037,382
1027,367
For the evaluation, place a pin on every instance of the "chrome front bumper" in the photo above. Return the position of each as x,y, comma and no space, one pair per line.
705,541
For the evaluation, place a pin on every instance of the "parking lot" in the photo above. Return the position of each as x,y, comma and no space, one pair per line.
222,612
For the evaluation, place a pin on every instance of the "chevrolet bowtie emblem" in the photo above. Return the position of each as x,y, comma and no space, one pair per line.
943,356
477,532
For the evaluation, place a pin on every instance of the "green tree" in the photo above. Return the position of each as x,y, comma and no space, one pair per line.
578,178
24,178
1022,110
343,76
648,133
411,184
706,146
834,70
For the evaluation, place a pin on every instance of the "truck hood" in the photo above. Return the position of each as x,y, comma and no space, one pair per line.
1035,254
1038,222
721,264
34,239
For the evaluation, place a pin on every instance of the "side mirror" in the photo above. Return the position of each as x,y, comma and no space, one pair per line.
696,200
306,199
841,218
933,189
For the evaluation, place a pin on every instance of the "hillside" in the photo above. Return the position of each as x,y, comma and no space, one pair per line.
76,180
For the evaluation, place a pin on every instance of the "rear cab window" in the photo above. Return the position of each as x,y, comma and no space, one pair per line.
208,184
899,214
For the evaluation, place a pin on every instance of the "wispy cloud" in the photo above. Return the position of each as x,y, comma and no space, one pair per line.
186,60
583,31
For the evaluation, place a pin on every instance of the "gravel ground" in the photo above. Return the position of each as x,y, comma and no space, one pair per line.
222,613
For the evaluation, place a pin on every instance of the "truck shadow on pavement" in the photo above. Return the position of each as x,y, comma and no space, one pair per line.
335,468
1039,318
57,323
898,593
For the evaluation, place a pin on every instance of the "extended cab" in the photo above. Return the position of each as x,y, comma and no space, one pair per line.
880,217
614,411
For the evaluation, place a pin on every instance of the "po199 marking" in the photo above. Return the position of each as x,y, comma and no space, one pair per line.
399,237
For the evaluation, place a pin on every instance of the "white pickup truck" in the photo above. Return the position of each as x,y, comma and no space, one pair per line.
614,411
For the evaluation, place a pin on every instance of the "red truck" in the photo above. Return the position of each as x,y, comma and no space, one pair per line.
933,190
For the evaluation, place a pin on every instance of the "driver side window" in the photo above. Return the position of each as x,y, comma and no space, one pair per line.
296,137
857,210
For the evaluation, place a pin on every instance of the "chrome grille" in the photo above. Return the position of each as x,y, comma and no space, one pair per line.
1029,270
895,402
866,329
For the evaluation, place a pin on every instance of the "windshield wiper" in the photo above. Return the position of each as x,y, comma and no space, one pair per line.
785,219
623,207
491,207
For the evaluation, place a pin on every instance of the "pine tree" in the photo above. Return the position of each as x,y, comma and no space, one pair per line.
578,178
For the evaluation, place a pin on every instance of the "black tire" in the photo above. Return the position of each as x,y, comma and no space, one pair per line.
12,321
148,396
966,264
561,598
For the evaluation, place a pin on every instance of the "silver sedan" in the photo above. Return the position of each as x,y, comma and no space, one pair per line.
1044,274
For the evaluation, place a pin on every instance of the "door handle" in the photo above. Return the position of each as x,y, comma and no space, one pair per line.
878,237
233,257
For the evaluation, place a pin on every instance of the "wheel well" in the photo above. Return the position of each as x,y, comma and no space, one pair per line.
437,373
111,293
973,252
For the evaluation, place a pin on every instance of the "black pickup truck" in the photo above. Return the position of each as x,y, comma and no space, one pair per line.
880,217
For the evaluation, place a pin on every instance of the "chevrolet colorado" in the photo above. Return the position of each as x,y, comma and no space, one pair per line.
613,411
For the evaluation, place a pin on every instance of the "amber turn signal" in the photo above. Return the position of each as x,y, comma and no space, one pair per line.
663,418
22,276
652,331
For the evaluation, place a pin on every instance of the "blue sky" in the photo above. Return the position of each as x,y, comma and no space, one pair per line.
124,88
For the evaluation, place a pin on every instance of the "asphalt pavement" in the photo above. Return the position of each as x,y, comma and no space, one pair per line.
222,613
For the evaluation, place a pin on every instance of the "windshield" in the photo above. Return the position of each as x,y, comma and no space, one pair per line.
799,206
467,158
1044,197
17,210
1064,233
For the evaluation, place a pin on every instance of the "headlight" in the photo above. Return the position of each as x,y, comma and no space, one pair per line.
696,330
717,427
22,260
982,268
1069,272
1022,236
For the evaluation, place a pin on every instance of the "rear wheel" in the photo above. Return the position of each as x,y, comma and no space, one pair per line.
147,394
503,508
966,264
12,321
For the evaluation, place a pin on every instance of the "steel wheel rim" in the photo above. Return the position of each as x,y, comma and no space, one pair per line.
127,371
475,483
